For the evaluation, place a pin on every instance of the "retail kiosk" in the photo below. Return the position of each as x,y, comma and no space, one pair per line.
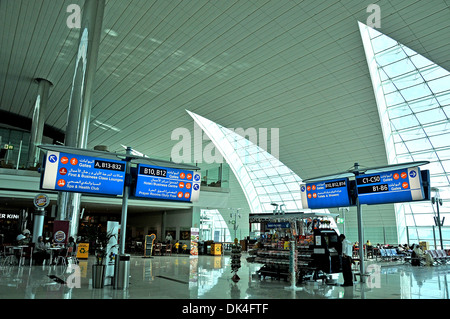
316,246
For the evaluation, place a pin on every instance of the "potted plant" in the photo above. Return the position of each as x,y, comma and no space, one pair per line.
99,239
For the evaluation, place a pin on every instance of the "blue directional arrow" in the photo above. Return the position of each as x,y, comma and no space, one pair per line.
52,158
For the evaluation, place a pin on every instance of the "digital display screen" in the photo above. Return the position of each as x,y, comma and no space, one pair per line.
373,189
336,184
403,185
368,179
83,174
160,172
113,166
167,183
326,194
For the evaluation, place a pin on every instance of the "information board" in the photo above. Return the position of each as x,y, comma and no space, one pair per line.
167,183
325,194
402,185
278,225
82,174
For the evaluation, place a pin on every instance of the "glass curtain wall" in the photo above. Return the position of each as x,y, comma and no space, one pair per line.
213,226
413,98
263,178
14,146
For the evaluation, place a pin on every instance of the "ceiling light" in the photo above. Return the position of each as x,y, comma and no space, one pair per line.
111,32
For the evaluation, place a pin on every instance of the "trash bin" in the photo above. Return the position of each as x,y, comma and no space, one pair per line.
216,249
98,276
122,272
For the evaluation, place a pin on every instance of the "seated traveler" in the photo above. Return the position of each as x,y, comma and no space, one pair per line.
40,251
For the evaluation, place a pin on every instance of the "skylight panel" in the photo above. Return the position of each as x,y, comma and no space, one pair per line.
398,68
440,85
418,110
404,122
431,116
263,177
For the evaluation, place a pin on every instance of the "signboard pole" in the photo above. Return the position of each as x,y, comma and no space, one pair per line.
293,267
126,194
361,241
360,233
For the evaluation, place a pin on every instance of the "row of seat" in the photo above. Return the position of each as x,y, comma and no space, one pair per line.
390,254
439,255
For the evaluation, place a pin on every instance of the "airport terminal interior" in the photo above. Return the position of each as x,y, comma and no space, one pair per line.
234,149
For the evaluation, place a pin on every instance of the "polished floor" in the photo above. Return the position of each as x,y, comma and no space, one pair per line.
209,277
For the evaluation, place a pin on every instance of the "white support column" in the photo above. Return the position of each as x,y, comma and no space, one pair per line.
37,126
80,104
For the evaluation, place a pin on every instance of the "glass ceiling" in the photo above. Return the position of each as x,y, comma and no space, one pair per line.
413,98
263,178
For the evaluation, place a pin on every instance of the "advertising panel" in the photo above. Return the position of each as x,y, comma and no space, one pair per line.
60,232
194,241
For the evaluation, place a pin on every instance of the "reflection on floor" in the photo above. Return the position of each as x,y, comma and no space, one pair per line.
209,277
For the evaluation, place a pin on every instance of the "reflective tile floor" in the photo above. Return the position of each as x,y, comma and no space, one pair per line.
209,277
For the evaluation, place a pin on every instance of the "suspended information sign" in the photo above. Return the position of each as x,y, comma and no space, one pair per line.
167,183
325,194
82,174
403,185
278,225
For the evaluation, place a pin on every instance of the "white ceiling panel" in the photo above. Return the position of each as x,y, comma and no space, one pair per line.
294,65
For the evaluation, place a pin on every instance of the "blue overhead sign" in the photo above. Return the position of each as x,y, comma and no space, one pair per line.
325,194
278,225
403,185
83,174
167,183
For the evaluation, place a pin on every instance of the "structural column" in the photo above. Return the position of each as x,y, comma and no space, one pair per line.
38,225
80,104
37,126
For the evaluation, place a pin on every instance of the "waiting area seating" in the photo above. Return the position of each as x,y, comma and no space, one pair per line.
391,254
440,256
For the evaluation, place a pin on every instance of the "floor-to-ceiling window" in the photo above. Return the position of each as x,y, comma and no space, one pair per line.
263,178
213,226
413,98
